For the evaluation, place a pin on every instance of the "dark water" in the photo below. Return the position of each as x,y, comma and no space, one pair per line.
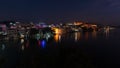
73,50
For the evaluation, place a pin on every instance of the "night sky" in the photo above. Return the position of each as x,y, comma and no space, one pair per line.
55,11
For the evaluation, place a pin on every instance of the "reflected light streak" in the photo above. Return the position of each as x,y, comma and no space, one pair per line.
43,43
27,44
57,37
77,36
3,47
94,34
56,31
39,42
22,41
107,30
23,47
37,36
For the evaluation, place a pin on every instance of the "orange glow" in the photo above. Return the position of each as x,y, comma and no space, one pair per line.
94,25
57,37
78,23
57,31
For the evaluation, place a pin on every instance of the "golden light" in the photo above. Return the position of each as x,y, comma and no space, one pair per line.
94,25
78,23
57,31
57,37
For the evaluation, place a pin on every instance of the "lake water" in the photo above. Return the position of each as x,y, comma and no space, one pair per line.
72,50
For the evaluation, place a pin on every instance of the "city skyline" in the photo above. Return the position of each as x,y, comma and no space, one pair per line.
52,11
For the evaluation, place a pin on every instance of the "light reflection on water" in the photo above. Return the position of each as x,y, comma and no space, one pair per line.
77,36
107,31
23,47
94,34
3,47
58,38
22,41
26,44
43,43
86,35
22,44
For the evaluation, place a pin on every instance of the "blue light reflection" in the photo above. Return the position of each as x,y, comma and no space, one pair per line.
43,43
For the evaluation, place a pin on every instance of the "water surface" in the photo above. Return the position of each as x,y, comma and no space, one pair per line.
71,50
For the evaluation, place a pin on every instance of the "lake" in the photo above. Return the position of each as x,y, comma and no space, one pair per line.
71,50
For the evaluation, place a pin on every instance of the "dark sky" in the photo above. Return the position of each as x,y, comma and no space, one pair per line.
54,11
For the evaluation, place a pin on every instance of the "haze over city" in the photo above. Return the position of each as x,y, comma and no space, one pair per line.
56,11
